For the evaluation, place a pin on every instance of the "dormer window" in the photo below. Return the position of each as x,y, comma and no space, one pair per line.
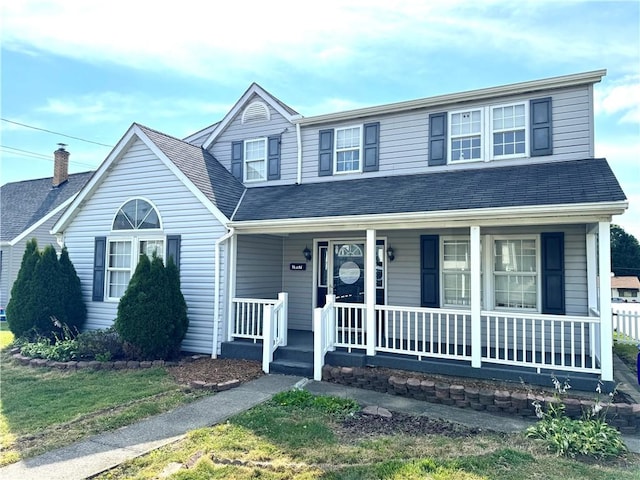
256,112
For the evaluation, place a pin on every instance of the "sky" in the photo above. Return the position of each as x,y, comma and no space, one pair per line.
80,72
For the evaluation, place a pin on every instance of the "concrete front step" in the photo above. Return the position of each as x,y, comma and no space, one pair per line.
294,353
292,367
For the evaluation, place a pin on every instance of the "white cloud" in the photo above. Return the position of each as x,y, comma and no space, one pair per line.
221,41
620,98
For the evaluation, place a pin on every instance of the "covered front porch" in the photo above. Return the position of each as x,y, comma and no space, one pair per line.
300,319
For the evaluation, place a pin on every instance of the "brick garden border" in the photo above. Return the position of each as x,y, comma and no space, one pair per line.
123,365
623,416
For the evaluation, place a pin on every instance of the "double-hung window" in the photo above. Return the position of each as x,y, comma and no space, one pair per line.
466,135
515,272
348,149
135,231
255,159
456,272
489,133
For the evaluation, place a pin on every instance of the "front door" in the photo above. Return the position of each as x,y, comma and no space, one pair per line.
348,271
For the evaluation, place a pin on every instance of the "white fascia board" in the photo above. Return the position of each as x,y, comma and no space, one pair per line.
253,89
472,95
528,215
95,180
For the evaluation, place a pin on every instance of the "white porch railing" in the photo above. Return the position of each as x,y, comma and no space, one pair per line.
248,317
324,335
626,326
552,342
432,332
558,342
274,329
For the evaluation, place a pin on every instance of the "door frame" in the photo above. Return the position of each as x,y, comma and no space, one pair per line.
350,239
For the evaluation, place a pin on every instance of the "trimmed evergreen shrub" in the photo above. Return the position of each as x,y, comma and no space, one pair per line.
21,309
74,306
152,314
46,288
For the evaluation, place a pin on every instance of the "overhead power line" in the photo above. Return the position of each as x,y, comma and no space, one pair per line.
39,156
55,133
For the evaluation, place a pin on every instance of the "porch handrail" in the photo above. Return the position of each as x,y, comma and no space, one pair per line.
558,342
626,326
323,334
274,329
248,317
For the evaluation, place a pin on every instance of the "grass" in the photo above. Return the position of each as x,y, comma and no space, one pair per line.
279,440
628,353
6,337
42,408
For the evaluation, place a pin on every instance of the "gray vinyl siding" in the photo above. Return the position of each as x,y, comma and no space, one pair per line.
259,266
404,136
299,284
139,173
236,131
12,256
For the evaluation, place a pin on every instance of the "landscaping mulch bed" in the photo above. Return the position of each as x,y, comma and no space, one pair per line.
215,370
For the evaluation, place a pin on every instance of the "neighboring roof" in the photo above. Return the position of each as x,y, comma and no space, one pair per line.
204,171
625,282
556,183
24,204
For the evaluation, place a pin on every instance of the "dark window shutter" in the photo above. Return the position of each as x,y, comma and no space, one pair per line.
273,158
99,259
553,273
438,139
541,131
236,159
429,271
173,249
325,153
371,147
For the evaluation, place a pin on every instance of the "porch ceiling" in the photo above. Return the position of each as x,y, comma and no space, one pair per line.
559,192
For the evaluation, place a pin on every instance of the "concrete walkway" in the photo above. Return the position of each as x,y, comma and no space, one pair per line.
102,452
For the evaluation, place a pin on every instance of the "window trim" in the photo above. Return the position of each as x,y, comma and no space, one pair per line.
359,149
486,133
245,161
135,241
538,273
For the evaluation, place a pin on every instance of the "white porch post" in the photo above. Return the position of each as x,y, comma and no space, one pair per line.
370,292
606,327
592,268
476,306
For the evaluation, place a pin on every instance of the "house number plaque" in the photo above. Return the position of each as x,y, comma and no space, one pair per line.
297,266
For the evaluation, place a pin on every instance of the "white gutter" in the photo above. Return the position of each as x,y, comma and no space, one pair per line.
473,95
299,139
216,300
482,217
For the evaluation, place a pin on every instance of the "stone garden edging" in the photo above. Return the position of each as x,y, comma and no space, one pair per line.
122,365
623,416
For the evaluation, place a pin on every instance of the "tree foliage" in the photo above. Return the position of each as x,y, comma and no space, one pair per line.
46,287
625,253
152,313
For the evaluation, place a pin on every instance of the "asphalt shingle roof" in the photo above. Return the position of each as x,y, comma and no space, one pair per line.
554,183
24,203
206,173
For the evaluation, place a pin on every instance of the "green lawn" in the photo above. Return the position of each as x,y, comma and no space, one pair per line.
6,337
44,408
276,441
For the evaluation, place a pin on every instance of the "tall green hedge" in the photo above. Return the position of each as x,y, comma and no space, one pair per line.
46,287
152,313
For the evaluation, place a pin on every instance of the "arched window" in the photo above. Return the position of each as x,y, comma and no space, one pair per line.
136,214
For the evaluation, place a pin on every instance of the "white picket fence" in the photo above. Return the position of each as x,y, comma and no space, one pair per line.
626,325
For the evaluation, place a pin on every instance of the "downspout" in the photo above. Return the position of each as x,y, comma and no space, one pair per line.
216,300
299,140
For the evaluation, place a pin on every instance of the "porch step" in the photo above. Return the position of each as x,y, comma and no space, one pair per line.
292,367
241,350
296,353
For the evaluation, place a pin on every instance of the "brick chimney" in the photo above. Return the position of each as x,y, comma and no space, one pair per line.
60,166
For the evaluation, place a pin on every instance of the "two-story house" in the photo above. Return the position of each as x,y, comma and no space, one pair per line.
457,234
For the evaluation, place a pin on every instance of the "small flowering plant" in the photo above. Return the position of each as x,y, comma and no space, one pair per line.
588,436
